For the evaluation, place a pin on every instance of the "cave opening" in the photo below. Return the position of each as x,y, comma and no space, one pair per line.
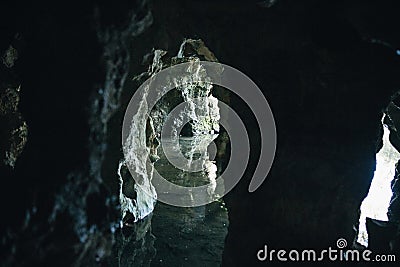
180,138
376,211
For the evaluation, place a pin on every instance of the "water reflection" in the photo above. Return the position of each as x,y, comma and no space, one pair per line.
176,236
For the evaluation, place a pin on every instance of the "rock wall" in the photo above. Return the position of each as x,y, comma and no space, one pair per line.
201,112
327,70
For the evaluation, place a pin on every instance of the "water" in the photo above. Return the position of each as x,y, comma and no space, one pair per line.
189,236
160,234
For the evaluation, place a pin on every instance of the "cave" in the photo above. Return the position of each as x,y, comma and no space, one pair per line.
378,214
83,145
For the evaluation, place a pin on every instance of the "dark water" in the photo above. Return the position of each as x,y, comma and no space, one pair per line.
189,236
176,236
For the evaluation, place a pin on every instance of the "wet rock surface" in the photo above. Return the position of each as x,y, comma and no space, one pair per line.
327,70
14,130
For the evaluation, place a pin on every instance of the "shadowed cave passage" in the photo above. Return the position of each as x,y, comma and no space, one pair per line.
327,68
188,236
